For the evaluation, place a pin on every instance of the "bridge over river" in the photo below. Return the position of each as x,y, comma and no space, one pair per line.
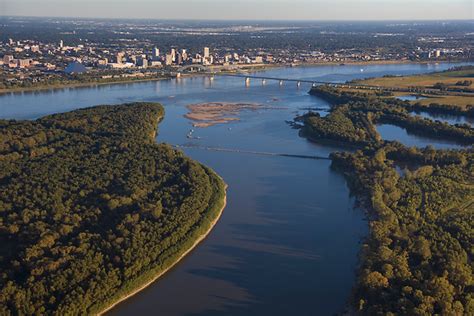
252,152
248,77
281,80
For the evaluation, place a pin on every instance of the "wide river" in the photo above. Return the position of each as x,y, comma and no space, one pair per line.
288,240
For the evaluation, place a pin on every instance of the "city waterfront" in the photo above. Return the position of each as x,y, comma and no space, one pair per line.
289,236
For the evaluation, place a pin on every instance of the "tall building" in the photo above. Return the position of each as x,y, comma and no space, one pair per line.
142,62
120,57
168,59
173,54
206,52
184,55
156,53
61,44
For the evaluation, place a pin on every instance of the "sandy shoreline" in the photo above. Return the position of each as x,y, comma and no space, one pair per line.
212,113
201,238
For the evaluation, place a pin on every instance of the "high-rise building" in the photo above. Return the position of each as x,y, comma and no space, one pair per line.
120,56
156,53
173,54
10,41
61,44
142,62
184,55
206,52
168,59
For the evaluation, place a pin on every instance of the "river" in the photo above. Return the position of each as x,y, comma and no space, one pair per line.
288,240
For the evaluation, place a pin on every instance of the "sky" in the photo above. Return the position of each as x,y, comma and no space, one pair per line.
246,9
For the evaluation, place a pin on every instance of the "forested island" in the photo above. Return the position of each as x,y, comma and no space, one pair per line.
92,209
355,115
418,257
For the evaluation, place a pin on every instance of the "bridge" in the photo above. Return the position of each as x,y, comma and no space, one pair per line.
252,152
235,71
248,78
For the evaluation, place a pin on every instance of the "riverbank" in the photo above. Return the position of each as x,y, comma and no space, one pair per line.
407,210
248,68
152,275
134,228
76,85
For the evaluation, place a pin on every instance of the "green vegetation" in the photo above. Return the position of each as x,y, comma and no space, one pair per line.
341,125
91,208
355,115
455,78
54,81
418,257
452,88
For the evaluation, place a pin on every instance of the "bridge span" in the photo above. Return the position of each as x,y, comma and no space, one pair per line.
281,81
207,71
252,152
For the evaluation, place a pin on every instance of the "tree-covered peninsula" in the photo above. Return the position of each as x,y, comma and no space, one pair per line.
418,257
91,208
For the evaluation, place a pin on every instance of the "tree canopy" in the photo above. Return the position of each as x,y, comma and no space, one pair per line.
418,257
91,207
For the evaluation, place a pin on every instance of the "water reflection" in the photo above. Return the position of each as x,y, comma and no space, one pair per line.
395,133
410,97
448,118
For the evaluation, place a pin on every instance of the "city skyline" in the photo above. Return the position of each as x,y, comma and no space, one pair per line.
246,9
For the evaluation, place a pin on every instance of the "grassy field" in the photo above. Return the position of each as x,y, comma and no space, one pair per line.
461,101
449,78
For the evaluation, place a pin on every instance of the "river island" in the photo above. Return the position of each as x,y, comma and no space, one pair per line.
417,259
92,209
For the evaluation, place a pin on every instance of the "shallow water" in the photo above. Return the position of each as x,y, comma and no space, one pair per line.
448,118
393,132
410,97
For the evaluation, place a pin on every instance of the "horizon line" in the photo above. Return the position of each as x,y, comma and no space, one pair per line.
240,20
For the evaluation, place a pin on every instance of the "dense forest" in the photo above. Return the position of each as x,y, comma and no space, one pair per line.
91,208
355,115
418,257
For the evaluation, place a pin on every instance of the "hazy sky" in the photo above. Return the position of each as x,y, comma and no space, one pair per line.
246,9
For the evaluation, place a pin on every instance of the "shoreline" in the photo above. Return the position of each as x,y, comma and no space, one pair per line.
76,85
250,70
172,265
